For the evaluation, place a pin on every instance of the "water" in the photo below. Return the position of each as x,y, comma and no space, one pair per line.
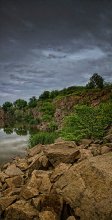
12,145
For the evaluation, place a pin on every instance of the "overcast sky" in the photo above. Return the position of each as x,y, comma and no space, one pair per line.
52,44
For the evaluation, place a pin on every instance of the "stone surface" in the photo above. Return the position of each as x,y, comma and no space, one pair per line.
3,177
6,201
105,149
76,188
35,150
13,170
86,142
45,185
22,164
58,171
66,152
47,215
71,218
21,210
35,162
14,182
108,138
85,153
88,185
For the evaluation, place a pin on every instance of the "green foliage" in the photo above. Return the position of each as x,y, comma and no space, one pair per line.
52,126
87,122
21,131
42,138
45,95
7,106
32,102
96,81
48,110
20,103
54,93
8,130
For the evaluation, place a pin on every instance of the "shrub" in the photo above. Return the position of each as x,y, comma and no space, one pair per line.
42,138
87,122
52,126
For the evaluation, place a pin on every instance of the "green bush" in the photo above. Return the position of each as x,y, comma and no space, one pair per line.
42,138
87,122
52,126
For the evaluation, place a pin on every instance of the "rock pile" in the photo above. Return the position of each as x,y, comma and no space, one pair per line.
61,181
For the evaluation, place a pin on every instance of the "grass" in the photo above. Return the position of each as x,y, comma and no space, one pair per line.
42,138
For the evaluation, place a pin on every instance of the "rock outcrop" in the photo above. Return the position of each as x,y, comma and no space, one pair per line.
61,181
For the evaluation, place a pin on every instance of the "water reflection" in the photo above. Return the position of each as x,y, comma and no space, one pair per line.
20,130
14,141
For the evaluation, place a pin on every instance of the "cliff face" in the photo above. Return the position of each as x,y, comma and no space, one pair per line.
61,181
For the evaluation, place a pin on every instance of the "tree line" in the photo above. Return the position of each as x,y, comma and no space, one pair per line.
96,81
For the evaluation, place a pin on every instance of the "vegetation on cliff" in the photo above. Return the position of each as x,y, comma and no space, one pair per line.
73,113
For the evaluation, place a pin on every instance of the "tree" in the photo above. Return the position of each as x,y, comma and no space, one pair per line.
96,81
32,102
20,103
7,106
44,95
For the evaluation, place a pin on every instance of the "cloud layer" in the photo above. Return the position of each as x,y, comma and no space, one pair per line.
49,45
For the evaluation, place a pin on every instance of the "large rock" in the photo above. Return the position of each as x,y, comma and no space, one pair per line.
31,188
22,164
21,210
14,182
59,171
49,202
36,162
47,215
35,150
3,177
6,201
87,188
13,170
66,152
44,177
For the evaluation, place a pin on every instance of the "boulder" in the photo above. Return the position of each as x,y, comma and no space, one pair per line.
21,210
45,185
87,188
35,162
58,171
108,138
86,142
13,170
52,202
49,202
22,164
47,215
3,177
11,192
95,149
31,188
35,150
63,152
6,201
36,202
71,218
14,182
105,149
0,186
85,153
28,192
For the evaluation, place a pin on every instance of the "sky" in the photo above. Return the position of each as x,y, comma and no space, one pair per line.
52,44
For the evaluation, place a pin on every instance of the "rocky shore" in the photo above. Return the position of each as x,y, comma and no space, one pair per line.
61,181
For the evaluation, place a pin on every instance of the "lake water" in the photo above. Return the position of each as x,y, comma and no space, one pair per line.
12,145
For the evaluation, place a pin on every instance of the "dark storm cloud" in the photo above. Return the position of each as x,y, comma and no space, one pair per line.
47,45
